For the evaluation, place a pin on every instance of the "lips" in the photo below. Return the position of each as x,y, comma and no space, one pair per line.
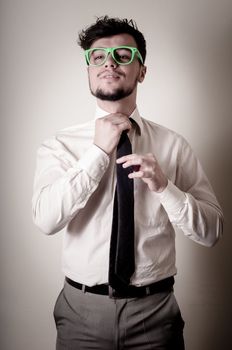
110,75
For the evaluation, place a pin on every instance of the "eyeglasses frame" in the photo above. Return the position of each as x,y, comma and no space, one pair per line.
110,50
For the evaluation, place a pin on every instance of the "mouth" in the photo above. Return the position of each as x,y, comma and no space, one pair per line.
110,75
110,78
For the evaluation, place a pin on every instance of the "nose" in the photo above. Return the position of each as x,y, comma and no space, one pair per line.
110,62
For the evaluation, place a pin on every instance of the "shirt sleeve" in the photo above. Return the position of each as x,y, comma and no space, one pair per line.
64,184
191,203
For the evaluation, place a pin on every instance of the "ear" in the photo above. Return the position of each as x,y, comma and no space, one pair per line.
142,73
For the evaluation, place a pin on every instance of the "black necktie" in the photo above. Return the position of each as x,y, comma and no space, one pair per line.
122,262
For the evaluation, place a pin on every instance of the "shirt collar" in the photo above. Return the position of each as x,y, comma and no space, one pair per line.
135,116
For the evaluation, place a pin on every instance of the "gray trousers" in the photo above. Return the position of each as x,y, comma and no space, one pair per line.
89,321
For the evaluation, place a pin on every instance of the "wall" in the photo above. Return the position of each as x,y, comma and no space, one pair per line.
44,88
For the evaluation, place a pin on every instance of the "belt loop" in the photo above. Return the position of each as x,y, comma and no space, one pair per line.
83,288
111,292
148,291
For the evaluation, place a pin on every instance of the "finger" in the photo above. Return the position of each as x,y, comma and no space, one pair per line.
129,161
124,125
126,158
143,174
136,162
117,118
137,174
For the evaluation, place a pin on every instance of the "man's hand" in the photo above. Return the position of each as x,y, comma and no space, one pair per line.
146,168
108,131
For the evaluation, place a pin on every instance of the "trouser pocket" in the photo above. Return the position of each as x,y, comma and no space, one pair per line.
57,305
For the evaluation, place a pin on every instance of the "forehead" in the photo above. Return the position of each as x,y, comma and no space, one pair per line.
115,40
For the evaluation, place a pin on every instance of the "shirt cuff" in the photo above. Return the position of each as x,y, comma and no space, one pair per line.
94,162
172,198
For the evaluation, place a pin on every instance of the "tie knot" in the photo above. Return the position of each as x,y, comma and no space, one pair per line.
123,137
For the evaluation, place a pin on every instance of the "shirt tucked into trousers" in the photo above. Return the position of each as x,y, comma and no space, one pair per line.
89,321
74,190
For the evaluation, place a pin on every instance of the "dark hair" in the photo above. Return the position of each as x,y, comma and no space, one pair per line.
106,26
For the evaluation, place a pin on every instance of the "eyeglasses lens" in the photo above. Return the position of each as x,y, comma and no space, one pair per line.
97,57
121,56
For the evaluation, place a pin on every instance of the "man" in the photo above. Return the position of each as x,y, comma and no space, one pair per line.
118,185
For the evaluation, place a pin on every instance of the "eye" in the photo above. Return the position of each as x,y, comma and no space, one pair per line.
97,56
123,55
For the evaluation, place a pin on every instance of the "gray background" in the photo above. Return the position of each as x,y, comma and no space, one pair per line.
44,88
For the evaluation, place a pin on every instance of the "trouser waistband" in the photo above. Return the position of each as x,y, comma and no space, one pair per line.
127,292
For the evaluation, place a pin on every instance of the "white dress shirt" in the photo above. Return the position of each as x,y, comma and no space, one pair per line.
74,189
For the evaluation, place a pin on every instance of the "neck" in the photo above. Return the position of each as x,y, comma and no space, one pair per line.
124,106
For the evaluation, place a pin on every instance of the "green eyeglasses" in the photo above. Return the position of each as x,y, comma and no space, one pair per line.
122,55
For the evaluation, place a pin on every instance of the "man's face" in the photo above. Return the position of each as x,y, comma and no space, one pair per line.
111,81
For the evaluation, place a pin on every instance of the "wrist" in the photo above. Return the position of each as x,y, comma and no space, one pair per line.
102,148
159,187
162,188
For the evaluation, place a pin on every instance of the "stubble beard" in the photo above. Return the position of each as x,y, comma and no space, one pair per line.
116,95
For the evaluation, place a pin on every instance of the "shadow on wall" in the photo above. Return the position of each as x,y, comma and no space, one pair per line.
206,284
